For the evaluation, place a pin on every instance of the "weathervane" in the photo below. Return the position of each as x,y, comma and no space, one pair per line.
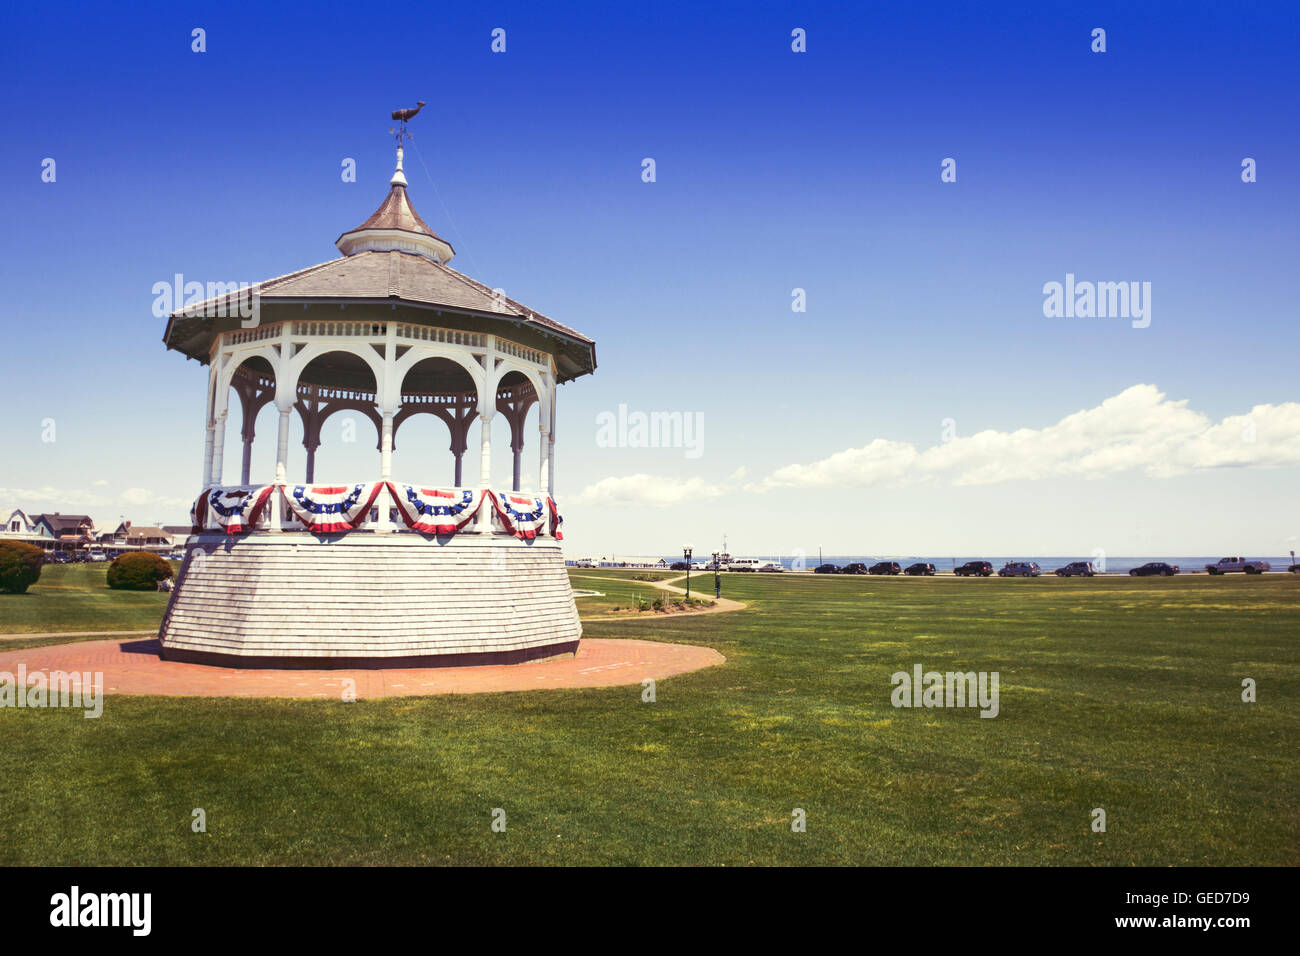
402,116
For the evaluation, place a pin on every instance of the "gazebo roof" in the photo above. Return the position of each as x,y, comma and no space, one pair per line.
395,225
391,258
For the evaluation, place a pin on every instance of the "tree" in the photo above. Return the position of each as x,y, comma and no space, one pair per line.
20,566
138,571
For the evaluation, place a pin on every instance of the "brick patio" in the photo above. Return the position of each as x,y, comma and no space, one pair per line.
132,666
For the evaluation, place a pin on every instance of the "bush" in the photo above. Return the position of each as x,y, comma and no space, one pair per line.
20,566
140,571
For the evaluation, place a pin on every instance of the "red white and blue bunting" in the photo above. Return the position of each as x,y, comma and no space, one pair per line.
435,510
328,508
524,516
556,519
231,510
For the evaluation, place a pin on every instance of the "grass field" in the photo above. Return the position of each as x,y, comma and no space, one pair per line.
1123,694
75,597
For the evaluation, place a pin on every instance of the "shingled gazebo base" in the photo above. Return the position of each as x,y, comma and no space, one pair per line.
298,600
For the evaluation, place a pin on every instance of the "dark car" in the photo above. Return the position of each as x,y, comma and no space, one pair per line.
1020,569
921,567
1084,568
980,569
854,568
885,567
679,566
1294,569
827,569
58,557
1154,567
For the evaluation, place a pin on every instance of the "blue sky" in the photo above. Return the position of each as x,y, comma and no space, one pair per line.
775,170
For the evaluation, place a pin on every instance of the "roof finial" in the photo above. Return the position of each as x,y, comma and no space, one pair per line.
399,178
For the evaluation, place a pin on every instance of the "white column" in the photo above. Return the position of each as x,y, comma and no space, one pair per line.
218,446
550,456
286,393
208,426
484,525
385,523
282,444
544,472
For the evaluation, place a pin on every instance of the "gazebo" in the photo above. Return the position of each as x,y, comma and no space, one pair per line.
369,570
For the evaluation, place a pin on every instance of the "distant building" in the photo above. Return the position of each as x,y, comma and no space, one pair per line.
147,536
633,561
17,524
60,532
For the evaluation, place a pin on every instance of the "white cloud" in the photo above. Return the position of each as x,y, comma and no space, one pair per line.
98,504
879,461
648,491
1138,429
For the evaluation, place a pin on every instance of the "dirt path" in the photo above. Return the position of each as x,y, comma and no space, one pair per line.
105,634
720,606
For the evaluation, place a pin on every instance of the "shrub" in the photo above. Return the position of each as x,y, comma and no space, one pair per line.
20,566
140,571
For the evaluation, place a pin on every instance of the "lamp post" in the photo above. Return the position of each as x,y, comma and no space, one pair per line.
717,578
686,552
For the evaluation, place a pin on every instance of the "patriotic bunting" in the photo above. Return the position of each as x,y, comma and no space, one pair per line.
231,510
523,515
327,508
556,519
435,510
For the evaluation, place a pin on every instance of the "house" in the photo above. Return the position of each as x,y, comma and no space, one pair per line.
63,532
178,532
115,534
17,524
147,536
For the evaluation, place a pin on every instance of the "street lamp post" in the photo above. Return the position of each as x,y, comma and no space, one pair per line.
686,551
717,578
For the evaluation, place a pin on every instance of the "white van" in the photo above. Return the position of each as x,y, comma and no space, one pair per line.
744,564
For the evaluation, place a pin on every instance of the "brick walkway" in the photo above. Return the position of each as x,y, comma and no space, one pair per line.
133,667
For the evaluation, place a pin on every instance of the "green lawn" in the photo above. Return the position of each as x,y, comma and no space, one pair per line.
1115,693
623,589
75,597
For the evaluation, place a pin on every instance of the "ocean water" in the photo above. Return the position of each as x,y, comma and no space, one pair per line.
1113,564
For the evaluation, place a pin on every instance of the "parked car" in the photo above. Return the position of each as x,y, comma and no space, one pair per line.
1229,565
744,564
856,567
885,567
1294,569
771,566
827,569
1083,568
678,566
1154,567
921,567
96,555
1020,569
980,569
